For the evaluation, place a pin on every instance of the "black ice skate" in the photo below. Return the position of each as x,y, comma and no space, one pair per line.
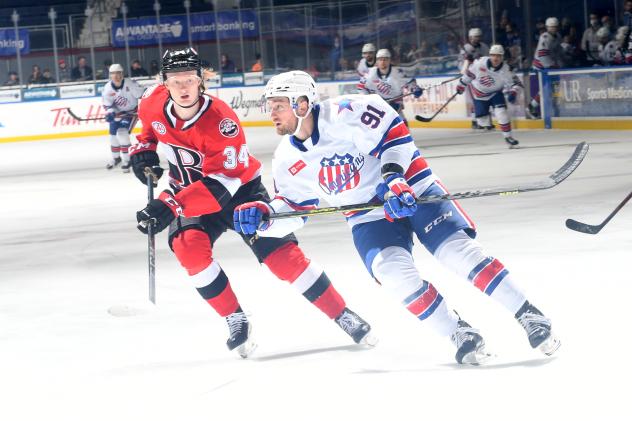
356,327
125,167
475,125
538,328
113,163
470,346
239,339
533,112
513,143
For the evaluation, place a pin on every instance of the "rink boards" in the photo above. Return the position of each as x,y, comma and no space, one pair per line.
574,99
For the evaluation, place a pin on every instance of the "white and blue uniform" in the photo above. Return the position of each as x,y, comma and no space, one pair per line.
121,100
387,85
353,137
488,84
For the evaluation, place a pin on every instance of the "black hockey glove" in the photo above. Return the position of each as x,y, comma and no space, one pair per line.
159,212
143,155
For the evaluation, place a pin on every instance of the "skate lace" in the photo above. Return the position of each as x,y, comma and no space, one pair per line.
462,334
532,322
236,321
348,322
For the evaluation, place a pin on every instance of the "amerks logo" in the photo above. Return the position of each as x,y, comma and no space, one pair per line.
159,127
228,128
340,173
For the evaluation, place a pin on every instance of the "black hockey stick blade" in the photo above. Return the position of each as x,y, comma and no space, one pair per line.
594,229
581,227
429,119
551,181
76,117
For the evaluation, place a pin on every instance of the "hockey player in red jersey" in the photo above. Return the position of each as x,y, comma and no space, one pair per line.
211,172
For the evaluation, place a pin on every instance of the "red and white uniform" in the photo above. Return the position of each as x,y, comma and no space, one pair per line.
208,156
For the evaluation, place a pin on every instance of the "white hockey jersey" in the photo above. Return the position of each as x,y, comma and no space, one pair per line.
469,53
388,86
353,137
363,67
547,54
121,99
485,80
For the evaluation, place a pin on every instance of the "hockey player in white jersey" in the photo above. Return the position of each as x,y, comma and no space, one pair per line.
547,56
368,59
120,99
389,82
489,78
356,149
472,50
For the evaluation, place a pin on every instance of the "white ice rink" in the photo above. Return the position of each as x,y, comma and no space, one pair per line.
70,250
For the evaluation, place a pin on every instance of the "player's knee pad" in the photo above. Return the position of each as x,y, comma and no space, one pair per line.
395,270
288,263
193,250
114,142
123,137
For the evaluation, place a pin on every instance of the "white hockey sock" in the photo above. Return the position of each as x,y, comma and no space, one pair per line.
394,268
124,143
503,120
114,147
465,256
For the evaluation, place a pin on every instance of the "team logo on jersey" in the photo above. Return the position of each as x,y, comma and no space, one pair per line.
159,127
185,165
340,173
384,88
486,81
228,128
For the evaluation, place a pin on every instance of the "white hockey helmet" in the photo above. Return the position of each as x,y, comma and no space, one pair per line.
368,48
551,22
622,33
497,49
475,32
116,68
383,53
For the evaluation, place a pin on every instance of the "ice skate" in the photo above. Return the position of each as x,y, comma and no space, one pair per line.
239,339
475,125
513,143
470,346
538,328
125,167
113,163
356,327
532,112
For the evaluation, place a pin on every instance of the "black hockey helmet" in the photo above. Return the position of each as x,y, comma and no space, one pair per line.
180,60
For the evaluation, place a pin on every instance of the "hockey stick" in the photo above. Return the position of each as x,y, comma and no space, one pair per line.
76,117
151,237
429,119
594,229
552,180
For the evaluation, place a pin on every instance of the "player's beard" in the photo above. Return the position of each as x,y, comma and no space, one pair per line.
286,129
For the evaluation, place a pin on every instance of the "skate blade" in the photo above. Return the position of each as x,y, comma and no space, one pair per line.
550,345
478,357
514,146
369,340
246,349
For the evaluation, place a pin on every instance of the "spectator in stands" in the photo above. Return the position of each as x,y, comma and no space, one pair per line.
63,70
104,72
36,76
81,71
138,70
258,66
511,36
627,14
47,77
334,56
227,64
589,44
606,21
13,79
154,69
567,28
568,52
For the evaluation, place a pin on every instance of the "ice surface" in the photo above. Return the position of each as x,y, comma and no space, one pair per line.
70,250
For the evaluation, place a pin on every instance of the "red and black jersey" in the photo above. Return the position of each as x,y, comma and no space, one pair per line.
208,156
